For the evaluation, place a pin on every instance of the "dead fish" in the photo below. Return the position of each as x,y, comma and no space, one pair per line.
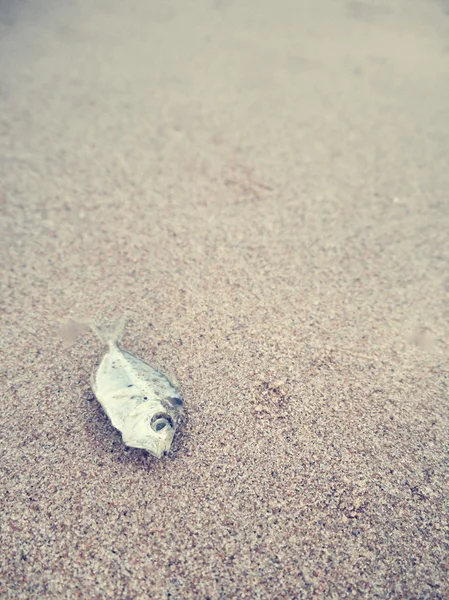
142,403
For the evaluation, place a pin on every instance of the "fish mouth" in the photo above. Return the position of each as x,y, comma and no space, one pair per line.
157,448
159,453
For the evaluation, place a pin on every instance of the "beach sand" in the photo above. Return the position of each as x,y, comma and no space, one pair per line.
263,187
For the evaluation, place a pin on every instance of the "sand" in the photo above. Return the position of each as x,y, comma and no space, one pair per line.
263,187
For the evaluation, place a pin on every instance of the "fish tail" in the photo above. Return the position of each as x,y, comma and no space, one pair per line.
110,334
70,330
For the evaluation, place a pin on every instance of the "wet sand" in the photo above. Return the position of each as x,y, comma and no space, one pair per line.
263,187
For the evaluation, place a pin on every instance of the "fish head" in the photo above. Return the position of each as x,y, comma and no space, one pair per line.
153,433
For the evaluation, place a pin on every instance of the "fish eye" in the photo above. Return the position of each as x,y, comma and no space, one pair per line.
160,421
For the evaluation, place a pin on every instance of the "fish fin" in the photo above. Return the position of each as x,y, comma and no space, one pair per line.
168,373
70,330
93,384
110,334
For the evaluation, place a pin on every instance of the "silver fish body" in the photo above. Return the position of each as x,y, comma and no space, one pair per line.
142,403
